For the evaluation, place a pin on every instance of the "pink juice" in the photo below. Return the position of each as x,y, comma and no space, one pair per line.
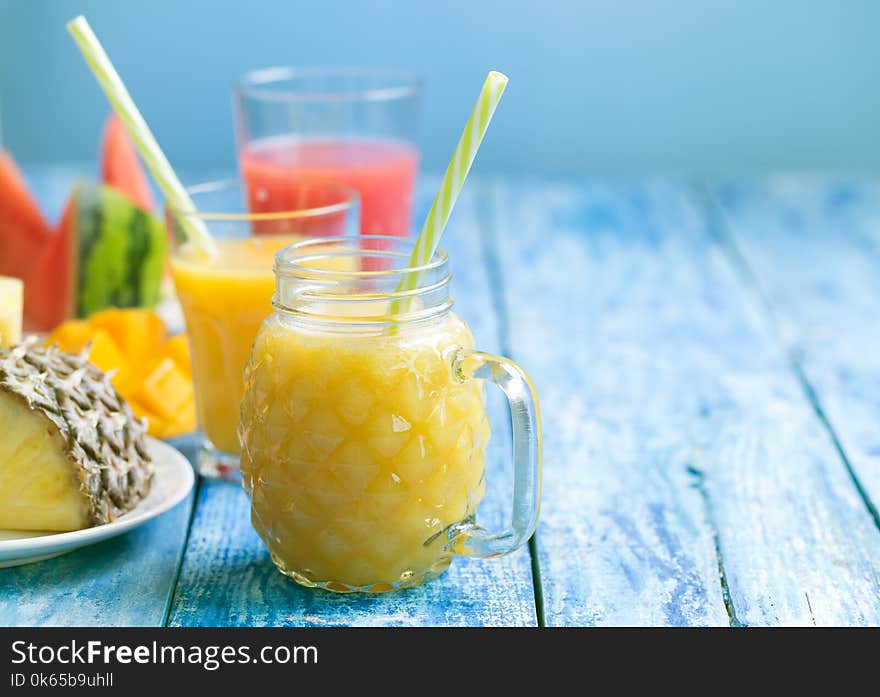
383,172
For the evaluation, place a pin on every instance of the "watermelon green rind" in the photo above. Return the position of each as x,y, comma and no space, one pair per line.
94,273
121,251
149,246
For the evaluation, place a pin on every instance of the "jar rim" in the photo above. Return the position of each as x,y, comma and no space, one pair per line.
329,296
296,267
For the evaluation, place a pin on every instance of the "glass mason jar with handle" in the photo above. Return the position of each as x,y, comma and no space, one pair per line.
363,425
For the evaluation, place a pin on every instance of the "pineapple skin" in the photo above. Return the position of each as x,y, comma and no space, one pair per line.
102,440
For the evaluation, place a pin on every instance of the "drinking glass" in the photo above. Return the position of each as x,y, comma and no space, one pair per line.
349,126
226,297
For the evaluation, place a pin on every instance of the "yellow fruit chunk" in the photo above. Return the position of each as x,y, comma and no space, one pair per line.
164,390
177,349
166,397
105,353
71,336
156,425
183,422
11,303
137,332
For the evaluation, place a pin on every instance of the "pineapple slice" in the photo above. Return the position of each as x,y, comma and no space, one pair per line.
37,488
72,453
11,303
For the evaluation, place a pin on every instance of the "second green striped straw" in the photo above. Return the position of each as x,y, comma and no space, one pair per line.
453,180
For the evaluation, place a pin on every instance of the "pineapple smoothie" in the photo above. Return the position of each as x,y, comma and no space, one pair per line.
361,450
224,300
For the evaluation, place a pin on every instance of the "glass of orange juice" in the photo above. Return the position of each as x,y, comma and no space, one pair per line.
363,425
226,298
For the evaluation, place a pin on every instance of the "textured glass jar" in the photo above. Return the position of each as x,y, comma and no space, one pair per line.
363,426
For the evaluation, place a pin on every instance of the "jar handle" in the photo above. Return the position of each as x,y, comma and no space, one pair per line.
469,539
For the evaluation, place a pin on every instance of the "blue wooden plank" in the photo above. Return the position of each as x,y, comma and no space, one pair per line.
227,577
826,298
127,581
687,478
811,248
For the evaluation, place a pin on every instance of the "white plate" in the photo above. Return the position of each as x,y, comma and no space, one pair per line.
172,481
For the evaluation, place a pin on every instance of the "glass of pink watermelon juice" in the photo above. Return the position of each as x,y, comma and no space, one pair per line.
349,126
225,298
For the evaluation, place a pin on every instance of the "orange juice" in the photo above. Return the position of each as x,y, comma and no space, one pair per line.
361,450
224,300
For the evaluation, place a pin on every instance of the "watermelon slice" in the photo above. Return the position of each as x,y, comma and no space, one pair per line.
120,167
50,284
107,253
23,230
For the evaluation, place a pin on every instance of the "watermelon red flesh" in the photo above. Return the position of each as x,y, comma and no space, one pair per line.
120,167
50,285
23,230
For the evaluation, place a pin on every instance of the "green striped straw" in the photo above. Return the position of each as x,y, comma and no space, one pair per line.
140,133
453,180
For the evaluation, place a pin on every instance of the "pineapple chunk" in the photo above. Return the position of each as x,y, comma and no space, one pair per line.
38,490
11,303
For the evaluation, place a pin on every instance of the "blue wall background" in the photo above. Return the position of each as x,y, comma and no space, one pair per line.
597,86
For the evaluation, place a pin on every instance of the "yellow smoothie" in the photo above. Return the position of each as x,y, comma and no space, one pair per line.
361,450
224,300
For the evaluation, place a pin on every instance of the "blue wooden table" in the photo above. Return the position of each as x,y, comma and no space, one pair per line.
708,361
